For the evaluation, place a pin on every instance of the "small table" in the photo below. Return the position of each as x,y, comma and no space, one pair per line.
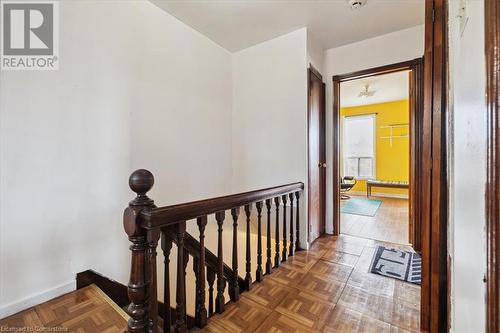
384,183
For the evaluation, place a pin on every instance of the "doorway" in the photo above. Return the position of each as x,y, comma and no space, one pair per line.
316,155
375,157
389,131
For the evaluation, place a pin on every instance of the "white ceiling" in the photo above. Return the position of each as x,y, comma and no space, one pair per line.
388,87
238,24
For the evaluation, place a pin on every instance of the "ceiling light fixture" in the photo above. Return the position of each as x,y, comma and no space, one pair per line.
355,4
366,92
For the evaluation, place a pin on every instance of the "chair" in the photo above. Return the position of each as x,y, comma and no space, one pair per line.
346,184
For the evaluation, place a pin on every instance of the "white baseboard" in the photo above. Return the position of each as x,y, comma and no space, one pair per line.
380,194
35,299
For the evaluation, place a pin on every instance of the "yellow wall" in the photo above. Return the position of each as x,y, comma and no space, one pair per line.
392,163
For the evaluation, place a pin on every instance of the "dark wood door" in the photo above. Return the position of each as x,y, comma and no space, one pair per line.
317,159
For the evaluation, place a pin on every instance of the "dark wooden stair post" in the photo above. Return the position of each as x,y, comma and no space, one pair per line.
277,259
201,311
291,251
166,246
140,181
248,264
152,237
180,308
234,287
269,264
297,222
284,254
221,283
258,273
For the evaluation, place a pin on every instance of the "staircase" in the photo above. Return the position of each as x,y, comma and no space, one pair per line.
147,225
328,288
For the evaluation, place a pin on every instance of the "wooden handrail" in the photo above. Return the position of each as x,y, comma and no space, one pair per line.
164,216
145,225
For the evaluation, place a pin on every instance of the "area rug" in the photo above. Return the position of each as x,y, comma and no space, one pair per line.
402,265
360,206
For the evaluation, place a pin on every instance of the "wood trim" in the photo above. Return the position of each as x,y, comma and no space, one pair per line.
315,72
110,302
434,210
426,170
308,223
164,216
115,290
385,69
439,177
492,48
336,155
323,154
416,123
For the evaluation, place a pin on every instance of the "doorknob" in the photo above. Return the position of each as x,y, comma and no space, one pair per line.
322,165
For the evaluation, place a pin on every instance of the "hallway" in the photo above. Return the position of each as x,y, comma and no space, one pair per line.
325,289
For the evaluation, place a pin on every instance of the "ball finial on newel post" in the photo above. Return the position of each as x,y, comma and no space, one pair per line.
141,181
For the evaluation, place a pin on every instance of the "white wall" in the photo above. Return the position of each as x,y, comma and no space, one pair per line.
387,49
468,168
270,114
135,88
315,53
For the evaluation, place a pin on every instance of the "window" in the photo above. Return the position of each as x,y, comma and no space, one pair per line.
359,146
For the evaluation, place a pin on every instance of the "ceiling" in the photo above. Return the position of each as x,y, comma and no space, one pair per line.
238,24
387,87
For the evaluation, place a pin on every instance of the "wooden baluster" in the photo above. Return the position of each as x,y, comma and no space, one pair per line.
201,311
297,241
284,254
196,269
186,261
248,266
234,287
166,246
269,265
291,250
277,260
210,279
220,301
180,309
153,236
258,273
140,181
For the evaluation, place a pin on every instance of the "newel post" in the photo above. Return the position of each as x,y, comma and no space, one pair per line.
140,181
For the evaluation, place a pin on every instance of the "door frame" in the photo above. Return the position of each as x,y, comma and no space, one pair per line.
492,49
322,149
415,67
436,262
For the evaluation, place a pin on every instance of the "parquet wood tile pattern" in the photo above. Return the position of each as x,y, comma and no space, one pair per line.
321,290
326,290
86,310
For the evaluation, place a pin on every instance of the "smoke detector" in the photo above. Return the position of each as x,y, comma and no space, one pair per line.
355,4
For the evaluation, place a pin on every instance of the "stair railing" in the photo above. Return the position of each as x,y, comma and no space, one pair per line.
146,224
